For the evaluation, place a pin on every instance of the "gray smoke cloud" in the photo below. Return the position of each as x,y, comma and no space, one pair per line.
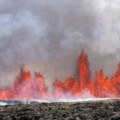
48,36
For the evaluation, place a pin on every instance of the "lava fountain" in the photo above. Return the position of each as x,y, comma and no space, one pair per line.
27,87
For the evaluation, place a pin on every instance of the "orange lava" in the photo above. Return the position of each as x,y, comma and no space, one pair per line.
27,87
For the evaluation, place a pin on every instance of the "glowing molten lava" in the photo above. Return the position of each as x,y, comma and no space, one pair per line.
26,87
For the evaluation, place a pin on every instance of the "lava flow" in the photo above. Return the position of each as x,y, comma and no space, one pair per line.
27,87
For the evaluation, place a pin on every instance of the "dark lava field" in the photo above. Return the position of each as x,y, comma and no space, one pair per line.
90,110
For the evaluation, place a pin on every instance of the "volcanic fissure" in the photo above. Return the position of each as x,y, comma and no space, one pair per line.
27,87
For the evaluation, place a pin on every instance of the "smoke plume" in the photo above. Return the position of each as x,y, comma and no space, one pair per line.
48,36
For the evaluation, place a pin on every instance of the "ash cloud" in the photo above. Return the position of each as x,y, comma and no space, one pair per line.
48,36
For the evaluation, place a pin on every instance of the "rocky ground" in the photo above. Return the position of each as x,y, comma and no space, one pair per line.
92,110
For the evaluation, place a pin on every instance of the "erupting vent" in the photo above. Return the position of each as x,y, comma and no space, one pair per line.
27,88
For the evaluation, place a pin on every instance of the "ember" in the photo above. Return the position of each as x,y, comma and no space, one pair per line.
27,88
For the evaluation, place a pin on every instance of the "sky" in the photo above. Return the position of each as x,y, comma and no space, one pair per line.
48,36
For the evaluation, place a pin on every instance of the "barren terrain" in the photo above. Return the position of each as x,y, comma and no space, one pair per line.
89,110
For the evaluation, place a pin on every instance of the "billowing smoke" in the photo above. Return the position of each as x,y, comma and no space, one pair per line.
47,36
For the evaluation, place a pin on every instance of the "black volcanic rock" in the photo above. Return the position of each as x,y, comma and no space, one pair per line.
92,110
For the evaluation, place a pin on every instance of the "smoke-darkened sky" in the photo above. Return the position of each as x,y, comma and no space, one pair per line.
48,36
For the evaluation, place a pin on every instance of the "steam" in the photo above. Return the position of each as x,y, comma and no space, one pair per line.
48,36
